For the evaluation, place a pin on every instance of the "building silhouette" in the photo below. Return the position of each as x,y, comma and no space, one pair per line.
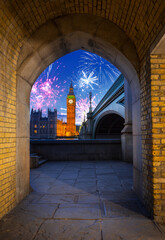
43,127
51,127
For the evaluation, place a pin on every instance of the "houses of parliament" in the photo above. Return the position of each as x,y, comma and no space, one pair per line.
50,126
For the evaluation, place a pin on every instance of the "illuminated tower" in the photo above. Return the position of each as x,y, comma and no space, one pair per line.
71,107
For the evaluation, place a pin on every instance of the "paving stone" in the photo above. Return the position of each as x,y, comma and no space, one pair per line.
122,208
68,176
100,195
33,197
118,195
34,176
41,188
109,178
86,186
39,210
110,187
86,180
69,230
78,211
101,171
63,188
19,225
70,182
52,198
88,163
130,229
88,198
46,180
127,184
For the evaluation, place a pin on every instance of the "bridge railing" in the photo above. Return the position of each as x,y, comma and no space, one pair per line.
118,84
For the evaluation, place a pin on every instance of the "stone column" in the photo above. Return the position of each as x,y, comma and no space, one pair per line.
90,125
126,134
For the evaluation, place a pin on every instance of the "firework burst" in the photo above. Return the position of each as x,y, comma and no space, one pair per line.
88,71
103,69
82,108
88,81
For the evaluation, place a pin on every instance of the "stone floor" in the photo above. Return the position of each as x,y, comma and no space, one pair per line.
80,201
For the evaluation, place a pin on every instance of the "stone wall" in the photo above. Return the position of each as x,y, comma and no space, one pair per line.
77,150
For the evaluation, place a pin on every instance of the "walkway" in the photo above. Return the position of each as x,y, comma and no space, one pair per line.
80,201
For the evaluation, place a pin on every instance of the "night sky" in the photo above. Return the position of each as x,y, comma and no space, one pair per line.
88,72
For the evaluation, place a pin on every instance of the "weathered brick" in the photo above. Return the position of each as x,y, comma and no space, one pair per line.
21,19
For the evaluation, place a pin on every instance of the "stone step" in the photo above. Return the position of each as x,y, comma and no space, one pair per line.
36,160
42,161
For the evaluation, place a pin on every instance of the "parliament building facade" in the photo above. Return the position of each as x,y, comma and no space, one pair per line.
51,127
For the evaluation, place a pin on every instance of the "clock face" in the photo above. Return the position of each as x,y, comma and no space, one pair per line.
70,101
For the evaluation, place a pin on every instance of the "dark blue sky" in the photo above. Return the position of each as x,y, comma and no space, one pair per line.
88,72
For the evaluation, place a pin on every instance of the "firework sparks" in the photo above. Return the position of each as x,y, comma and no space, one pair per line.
88,81
82,107
88,72
103,69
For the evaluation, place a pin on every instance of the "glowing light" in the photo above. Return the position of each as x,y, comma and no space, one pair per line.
103,69
88,71
88,81
82,107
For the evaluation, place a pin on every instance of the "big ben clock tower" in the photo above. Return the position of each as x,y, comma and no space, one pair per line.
71,106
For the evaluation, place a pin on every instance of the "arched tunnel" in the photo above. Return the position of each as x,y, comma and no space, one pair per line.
109,127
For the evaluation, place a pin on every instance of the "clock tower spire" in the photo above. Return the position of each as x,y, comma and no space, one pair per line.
71,113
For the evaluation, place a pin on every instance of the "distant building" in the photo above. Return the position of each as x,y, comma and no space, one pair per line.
43,127
51,127
61,128
71,113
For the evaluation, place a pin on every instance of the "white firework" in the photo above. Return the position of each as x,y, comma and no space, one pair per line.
105,70
88,81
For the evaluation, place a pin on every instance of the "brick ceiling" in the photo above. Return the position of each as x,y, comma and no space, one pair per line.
141,20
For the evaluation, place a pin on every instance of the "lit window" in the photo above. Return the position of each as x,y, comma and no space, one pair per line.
35,126
43,126
35,131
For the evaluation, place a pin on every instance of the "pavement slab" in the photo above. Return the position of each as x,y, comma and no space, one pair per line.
78,211
69,230
130,229
85,200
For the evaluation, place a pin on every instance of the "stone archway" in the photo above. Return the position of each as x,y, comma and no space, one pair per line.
65,35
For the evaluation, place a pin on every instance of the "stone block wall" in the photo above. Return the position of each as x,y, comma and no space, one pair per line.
77,150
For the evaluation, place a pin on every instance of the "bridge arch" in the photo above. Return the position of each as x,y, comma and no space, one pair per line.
65,35
109,125
103,114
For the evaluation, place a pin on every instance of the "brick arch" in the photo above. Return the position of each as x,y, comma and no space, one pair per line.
142,21
136,18
63,36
